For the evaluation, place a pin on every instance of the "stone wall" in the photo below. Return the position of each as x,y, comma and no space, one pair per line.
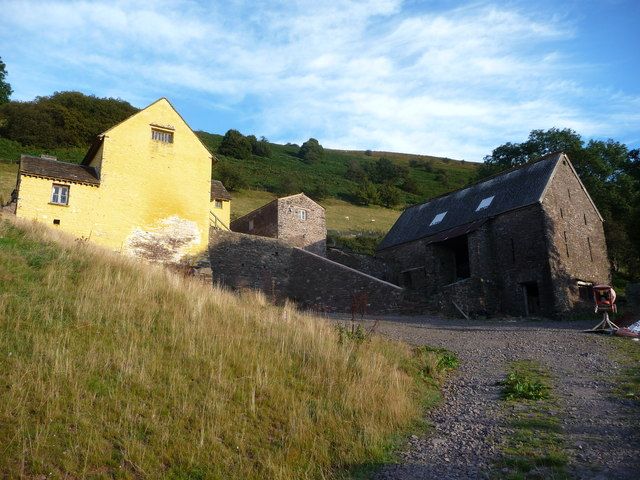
310,232
376,267
296,219
575,236
286,272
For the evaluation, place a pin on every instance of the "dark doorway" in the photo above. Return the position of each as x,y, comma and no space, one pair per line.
459,246
531,295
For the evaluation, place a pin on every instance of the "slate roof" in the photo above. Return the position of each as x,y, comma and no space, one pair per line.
55,170
513,189
218,191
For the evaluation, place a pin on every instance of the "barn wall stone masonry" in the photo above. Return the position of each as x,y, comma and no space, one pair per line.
282,272
534,248
295,219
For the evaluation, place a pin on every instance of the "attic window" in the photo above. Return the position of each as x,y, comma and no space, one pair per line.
161,135
437,219
484,203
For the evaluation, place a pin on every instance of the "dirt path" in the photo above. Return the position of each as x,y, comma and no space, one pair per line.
470,422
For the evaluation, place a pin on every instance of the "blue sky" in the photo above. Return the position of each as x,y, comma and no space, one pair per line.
445,78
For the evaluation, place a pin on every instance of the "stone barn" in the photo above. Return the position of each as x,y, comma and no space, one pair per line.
296,219
525,242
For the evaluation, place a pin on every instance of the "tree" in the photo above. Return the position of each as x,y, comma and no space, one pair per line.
366,194
311,151
235,145
260,148
319,192
5,88
355,172
390,196
384,170
231,178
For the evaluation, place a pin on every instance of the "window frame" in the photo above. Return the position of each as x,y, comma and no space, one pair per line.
302,214
217,203
62,187
162,136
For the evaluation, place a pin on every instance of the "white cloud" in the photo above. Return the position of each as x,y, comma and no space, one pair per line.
353,74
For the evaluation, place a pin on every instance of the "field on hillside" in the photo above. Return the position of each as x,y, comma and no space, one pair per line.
116,369
341,216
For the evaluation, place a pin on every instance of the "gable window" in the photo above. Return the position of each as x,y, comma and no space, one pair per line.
485,203
217,203
60,194
161,135
437,219
302,214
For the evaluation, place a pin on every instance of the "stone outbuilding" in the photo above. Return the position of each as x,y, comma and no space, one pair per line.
528,241
295,219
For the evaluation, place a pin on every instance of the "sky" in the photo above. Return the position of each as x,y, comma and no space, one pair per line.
445,78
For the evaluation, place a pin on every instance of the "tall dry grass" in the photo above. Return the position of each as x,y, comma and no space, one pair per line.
111,368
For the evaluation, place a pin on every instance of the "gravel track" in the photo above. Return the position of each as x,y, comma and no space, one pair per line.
601,433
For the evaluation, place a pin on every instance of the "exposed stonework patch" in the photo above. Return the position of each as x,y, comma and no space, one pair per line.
167,241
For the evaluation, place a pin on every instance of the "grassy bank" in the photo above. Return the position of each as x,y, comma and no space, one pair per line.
115,369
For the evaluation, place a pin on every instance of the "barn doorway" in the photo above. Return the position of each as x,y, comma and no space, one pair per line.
531,297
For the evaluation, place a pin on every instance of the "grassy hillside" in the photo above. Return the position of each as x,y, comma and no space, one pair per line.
115,369
267,174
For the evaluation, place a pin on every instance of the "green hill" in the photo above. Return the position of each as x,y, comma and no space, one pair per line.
117,369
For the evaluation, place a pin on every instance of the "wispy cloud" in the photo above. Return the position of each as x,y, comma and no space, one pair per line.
371,74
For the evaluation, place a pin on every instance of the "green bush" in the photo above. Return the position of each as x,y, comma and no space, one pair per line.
235,145
232,178
311,151
366,194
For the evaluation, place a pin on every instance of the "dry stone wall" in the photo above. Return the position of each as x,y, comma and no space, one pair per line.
285,272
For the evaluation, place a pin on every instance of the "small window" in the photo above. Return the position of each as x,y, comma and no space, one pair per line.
217,203
302,214
484,203
250,224
585,291
561,213
56,221
437,219
60,194
585,218
162,136
569,192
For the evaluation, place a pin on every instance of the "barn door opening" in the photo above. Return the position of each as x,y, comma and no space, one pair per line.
531,297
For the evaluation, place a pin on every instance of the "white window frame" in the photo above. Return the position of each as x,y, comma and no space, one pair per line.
162,136
438,219
485,203
217,203
59,194
302,215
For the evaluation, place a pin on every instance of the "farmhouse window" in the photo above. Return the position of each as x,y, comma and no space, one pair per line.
162,136
217,204
60,194
302,214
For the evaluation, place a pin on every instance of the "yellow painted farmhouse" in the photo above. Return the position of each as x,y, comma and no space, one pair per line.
144,188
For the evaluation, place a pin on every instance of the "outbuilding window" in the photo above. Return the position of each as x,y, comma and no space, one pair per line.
302,214
60,194
161,135
217,203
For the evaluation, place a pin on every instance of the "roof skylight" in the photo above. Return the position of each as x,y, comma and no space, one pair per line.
437,219
485,203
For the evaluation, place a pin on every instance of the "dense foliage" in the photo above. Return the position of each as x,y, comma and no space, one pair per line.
65,119
5,88
609,171
311,151
235,145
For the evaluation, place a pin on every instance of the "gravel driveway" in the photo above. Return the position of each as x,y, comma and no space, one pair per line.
601,433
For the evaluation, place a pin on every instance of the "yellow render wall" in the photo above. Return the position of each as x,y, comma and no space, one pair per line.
224,213
76,218
154,192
